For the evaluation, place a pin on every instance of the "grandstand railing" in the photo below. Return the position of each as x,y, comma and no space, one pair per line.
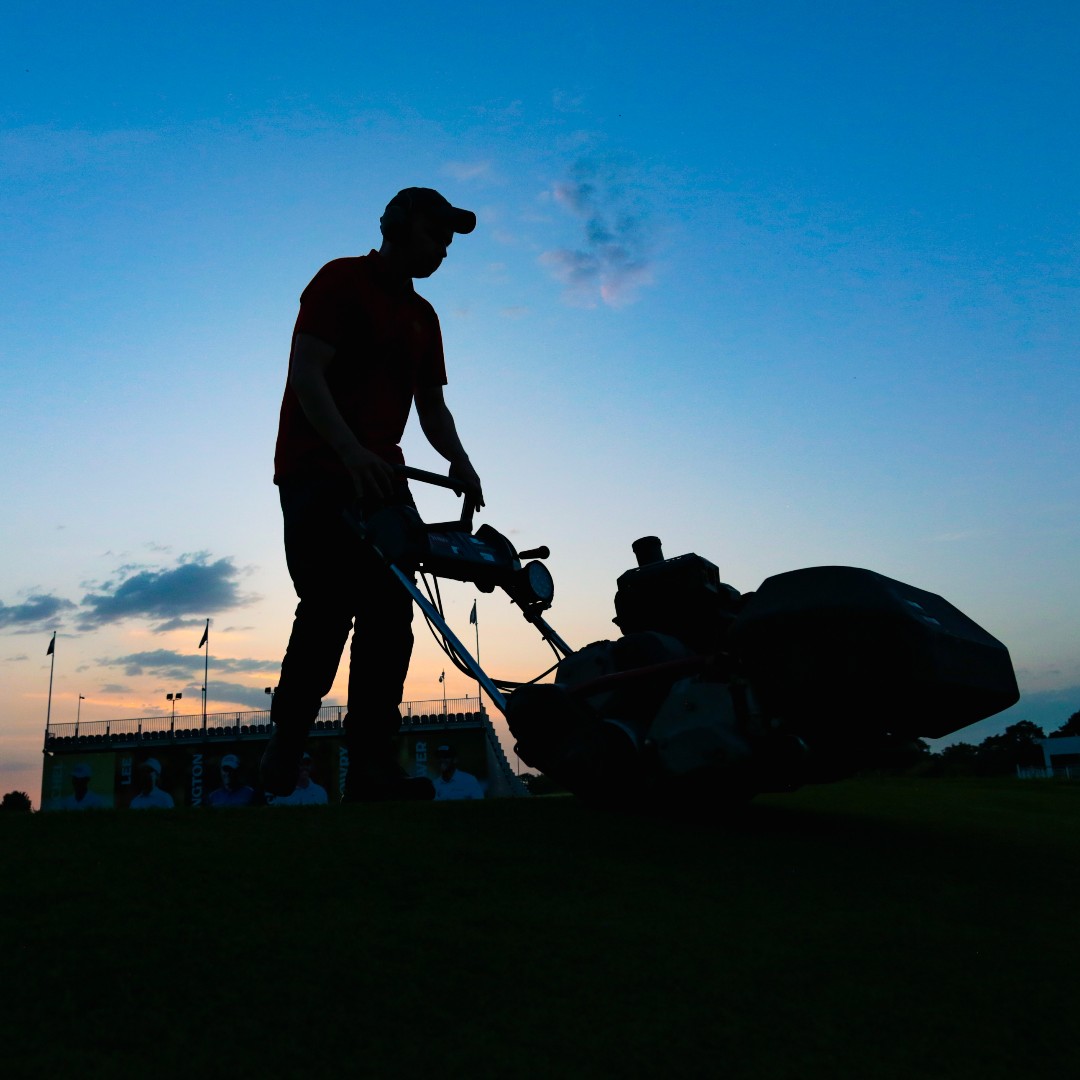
254,723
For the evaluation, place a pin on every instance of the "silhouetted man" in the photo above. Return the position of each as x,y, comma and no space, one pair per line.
365,347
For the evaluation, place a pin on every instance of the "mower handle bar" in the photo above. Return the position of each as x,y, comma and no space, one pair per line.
438,480
430,478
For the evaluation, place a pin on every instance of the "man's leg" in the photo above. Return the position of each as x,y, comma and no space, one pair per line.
307,673
378,665
320,552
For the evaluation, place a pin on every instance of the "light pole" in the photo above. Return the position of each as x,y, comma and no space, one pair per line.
78,714
174,698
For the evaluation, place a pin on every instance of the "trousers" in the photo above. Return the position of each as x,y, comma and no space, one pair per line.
341,586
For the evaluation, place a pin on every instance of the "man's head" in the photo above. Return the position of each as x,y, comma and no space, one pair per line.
307,766
446,756
80,779
149,774
230,766
418,226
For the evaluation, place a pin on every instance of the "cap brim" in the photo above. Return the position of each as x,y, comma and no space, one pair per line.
461,221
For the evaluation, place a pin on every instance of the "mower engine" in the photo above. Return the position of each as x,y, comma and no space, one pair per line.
712,695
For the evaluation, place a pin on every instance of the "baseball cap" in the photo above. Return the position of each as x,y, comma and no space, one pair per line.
418,200
230,761
446,750
153,763
81,772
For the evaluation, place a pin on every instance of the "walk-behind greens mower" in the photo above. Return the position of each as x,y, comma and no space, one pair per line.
710,695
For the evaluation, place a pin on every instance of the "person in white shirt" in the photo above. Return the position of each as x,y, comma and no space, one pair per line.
452,782
306,792
150,796
232,792
81,797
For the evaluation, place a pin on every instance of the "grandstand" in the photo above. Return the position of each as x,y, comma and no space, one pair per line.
188,747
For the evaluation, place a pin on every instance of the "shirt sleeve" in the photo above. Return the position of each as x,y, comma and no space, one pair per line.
325,303
431,369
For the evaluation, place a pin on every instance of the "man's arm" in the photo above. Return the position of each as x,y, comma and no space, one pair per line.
439,429
311,357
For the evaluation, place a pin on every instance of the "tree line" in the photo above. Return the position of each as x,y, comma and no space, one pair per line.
997,755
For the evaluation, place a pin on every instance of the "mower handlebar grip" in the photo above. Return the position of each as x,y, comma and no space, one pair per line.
427,477
438,480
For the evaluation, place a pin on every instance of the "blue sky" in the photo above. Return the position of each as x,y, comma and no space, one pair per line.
787,287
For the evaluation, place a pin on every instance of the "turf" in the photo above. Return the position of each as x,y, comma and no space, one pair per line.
867,929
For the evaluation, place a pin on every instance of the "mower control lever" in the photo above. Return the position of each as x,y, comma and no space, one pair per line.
438,480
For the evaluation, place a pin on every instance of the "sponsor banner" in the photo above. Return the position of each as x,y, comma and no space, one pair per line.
454,760
230,776
320,775
78,782
158,778
225,773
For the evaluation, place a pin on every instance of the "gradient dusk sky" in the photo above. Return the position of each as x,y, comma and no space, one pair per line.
784,284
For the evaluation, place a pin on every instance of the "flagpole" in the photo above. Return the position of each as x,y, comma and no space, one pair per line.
476,623
206,670
52,668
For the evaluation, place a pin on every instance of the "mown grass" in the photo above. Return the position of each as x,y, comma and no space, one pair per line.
866,929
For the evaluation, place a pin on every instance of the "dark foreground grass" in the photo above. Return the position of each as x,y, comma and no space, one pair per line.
868,929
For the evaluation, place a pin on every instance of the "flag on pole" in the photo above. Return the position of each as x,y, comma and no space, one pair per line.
205,634
52,645
472,614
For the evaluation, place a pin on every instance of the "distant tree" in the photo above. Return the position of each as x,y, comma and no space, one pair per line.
1070,727
960,759
15,800
1016,745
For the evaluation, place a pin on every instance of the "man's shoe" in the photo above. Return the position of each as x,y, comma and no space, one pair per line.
280,764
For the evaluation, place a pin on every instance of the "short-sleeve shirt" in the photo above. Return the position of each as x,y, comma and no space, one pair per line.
222,796
388,345
155,799
461,785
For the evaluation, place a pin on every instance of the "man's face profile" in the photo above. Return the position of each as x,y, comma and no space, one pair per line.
427,246
148,777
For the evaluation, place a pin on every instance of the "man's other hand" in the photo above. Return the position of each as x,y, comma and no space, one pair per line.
372,477
465,474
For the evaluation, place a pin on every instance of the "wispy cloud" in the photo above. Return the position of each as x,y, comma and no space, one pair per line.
253,697
179,596
566,101
34,613
464,171
173,597
614,260
170,664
